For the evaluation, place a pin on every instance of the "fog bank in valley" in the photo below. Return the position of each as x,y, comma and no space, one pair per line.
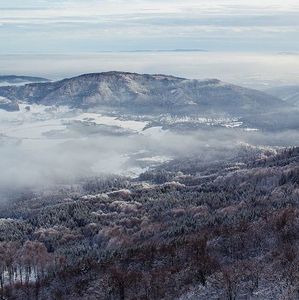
62,157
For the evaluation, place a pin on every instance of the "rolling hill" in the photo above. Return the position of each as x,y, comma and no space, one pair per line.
148,94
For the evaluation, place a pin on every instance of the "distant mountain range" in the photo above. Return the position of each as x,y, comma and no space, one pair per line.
165,50
151,94
6,80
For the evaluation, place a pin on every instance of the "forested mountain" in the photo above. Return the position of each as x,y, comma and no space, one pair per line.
148,94
288,93
189,229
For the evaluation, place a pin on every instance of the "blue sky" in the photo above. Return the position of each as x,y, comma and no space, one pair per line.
90,26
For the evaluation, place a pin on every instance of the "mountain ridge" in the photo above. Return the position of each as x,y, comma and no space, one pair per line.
145,93
20,79
288,93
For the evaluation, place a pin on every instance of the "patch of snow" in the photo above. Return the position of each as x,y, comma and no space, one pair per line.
91,197
111,121
156,159
210,121
4,100
251,129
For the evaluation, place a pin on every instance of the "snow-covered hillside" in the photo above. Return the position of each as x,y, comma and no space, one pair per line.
149,94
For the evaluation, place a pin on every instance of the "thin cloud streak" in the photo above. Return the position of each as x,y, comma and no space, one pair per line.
186,23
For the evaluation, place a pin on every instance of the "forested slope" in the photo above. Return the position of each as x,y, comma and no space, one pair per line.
224,230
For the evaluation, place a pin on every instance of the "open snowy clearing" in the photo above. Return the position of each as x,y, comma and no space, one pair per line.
33,121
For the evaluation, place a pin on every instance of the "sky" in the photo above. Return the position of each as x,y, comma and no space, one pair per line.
90,26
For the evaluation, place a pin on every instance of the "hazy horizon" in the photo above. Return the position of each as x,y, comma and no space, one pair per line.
255,70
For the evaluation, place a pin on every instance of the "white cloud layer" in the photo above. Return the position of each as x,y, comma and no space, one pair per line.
115,24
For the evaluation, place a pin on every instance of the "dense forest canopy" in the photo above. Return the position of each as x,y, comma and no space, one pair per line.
221,230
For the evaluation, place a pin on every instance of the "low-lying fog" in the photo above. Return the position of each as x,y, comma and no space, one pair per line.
49,145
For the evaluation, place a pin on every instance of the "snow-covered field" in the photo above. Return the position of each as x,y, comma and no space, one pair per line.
30,124
33,121
137,126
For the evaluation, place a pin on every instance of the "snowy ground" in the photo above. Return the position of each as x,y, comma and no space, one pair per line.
210,121
137,126
40,119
